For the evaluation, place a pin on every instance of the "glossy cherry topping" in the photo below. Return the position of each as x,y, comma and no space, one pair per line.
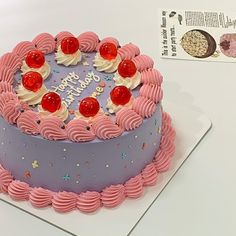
108,51
32,81
51,102
69,45
120,95
35,59
89,107
127,68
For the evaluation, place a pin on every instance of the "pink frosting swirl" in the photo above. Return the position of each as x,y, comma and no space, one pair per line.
19,190
44,42
128,119
104,128
79,131
60,36
22,48
128,51
6,97
64,201
168,131
11,60
52,128
28,122
151,76
144,106
108,40
134,187
113,196
11,111
1,167
162,161
149,175
40,197
143,62
5,87
166,118
5,179
6,74
167,145
152,91
88,41
89,201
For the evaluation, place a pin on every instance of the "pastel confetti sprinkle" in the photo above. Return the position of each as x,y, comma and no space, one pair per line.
107,165
123,155
27,174
85,63
64,150
132,161
77,181
102,84
66,177
77,164
159,129
35,164
23,158
136,136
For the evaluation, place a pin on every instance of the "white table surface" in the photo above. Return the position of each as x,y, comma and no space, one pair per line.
200,199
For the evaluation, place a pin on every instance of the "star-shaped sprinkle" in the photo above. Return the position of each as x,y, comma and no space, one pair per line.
35,164
66,177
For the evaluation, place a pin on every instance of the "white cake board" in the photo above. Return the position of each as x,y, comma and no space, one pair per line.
191,126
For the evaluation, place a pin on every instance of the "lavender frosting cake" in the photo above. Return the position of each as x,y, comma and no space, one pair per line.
81,122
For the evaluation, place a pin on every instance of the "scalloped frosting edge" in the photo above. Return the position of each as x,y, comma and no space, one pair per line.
91,201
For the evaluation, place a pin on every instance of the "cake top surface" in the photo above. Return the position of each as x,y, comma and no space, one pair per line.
77,88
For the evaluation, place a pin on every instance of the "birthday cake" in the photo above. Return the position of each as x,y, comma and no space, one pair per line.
82,124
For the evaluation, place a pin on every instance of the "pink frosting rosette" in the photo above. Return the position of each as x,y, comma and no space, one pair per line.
113,196
104,128
28,122
44,42
143,62
88,41
134,187
5,87
5,97
144,107
64,201
79,131
149,175
52,128
40,197
11,111
19,190
151,76
151,91
5,179
128,51
89,201
11,60
22,48
128,119
6,74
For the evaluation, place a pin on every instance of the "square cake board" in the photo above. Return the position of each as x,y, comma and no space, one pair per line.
190,125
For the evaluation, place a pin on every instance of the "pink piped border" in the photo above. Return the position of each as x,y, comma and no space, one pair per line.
145,105
91,201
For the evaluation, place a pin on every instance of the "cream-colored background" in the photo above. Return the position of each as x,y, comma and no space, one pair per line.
200,200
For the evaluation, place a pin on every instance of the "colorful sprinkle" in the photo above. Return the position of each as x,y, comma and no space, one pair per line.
123,155
66,177
155,122
27,174
64,150
154,144
77,181
102,84
135,136
107,165
159,129
77,164
35,164
132,161
23,158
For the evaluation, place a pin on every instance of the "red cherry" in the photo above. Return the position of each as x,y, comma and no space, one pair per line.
69,45
127,68
120,95
51,102
89,107
108,51
32,81
35,59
